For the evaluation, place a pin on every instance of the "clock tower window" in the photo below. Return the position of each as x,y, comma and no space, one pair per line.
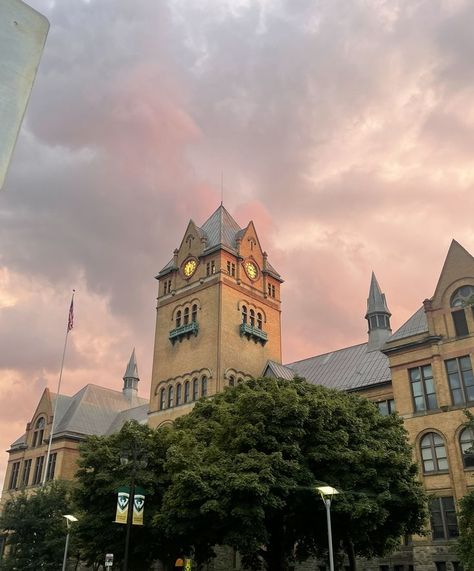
252,318
259,320
195,389
162,399
194,313
186,391
244,314
179,393
170,397
204,387
178,319
186,316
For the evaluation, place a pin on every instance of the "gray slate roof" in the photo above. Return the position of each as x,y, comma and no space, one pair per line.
415,325
139,413
347,369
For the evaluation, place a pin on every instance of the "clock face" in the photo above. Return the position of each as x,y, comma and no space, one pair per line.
251,270
189,268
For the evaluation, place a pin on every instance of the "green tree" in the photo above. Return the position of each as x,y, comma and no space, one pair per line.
466,531
36,529
244,466
100,474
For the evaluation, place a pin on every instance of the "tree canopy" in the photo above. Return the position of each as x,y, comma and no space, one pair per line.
36,529
244,466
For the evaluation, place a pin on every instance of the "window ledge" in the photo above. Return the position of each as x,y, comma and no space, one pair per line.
183,331
254,333
436,473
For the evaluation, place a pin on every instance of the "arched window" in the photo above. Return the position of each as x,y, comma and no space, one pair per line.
186,316
170,397
244,314
259,320
204,386
460,299
38,433
463,296
252,318
186,391
433,453
178,319
466,441
195,389
232,381
162,399
179,394
194,313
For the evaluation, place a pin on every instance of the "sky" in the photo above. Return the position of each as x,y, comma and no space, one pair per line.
344,130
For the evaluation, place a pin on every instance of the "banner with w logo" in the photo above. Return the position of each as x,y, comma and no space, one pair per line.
123,503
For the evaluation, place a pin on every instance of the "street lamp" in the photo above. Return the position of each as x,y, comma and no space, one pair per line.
327,493
69,520
137,460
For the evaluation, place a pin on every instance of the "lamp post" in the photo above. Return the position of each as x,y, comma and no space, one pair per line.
69,520
137,460
327,493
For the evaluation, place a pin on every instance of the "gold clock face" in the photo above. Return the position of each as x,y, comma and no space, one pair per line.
189,268
251,270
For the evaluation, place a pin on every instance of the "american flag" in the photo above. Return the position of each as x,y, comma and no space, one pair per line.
70,321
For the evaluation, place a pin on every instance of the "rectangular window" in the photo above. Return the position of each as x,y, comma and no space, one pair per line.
38,470
51,466
26,472
210,268
461,379
444,524
14,475
460,323
165,288
422,388
386,407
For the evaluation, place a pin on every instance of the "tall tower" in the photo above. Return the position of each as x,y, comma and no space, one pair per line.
218,315
131,378
378,317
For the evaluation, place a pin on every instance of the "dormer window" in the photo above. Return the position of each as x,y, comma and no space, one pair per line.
38,434
461,298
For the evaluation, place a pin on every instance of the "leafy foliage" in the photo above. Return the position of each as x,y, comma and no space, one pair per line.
466,531
36,529
244,466
100,474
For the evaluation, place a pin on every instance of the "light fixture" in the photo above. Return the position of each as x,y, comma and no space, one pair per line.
327,493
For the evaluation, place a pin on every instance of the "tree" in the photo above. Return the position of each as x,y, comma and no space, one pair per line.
36,529
466,531
244,465
100,474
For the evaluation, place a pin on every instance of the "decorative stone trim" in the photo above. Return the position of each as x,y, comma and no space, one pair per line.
254,333
187,330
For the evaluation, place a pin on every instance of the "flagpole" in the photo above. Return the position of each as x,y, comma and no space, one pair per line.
50,441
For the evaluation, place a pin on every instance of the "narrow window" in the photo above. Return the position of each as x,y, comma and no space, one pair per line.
460,323
38,470
162,399
179,394
269,290
422,388
186,316
186,391
244,314
165,288
26,472
228,267
195,389
273,291
443,518
208,269
170,397
213,267
14,475
233,270
433,453
51,466
461,379
466,441
39,432
178,319
259,320
194,313
252,318
204,387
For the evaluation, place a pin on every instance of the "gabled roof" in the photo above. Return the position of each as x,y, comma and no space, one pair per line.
415,325
273,369
347,369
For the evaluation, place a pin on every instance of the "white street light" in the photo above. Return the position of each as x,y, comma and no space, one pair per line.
69,520
327,493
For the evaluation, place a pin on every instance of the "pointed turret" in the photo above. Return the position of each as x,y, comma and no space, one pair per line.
131,378
378,316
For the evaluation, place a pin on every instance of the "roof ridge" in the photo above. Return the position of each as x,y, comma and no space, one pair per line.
327,353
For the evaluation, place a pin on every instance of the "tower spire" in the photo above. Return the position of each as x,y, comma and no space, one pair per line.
131,378
378,316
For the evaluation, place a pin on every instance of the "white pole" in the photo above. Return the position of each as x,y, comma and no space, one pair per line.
327,503
66,549
53,424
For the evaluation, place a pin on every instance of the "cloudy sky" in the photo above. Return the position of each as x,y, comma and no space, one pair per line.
343,129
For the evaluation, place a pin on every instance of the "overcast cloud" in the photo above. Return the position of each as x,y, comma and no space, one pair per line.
343,129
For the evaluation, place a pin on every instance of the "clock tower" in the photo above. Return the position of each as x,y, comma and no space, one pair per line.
218,315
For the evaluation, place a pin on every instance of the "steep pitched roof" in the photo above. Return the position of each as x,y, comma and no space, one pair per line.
415,325
347,369
132,368
138,413
458,262
376,302
220,229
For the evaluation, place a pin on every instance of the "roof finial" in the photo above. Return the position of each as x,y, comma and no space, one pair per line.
222,188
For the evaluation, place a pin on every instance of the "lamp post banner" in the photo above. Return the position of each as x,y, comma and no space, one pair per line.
138,506
123,501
